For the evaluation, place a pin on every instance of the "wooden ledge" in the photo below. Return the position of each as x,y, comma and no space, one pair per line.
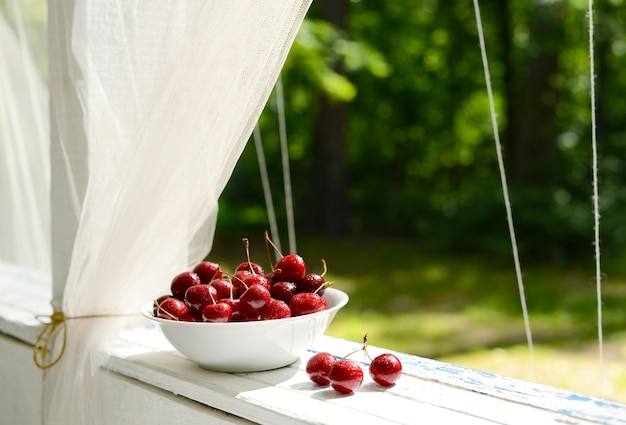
439,392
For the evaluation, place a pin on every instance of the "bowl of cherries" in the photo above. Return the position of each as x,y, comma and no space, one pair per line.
247,321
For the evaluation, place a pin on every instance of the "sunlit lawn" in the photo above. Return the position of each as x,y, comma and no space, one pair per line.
465,309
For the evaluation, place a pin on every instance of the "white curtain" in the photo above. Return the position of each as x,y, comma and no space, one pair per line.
152,103
24,149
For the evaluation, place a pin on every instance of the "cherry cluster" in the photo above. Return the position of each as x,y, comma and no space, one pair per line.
345,375
207,294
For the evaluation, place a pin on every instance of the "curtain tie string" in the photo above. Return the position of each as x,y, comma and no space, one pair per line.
57,320
41,346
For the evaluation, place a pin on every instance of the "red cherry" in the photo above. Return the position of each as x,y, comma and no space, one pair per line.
312,282
250,267
182,282
319,366
385,369
224,287
171,309
199,296
257,279
207,271
238,282
283,290
217,313
234,304
189,317
157,302
290,267
254,300
345,376
306,303
275,309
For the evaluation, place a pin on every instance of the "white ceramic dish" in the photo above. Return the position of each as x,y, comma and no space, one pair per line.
249,346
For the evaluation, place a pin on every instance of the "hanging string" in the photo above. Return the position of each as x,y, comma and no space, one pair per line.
505,189
285,161
267,192
596,206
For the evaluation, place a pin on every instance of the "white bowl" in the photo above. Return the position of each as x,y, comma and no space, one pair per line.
249,346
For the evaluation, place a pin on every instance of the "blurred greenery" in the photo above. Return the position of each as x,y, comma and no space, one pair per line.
427,256
420,156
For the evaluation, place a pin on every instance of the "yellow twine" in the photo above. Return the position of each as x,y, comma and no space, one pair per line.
58,319
41,346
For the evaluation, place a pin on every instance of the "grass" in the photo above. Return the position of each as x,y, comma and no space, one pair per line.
574,367
465,308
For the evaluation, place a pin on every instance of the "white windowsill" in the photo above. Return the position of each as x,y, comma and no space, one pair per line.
439,392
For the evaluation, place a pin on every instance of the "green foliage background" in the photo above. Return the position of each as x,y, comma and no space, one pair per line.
421,153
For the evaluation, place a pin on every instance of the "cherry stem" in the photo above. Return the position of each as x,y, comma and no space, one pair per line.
246,244
323,285
164,310
324,269
268,242
267,250
239,279
363,348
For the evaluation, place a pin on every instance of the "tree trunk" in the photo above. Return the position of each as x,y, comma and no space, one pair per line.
510,76
329,211
532,133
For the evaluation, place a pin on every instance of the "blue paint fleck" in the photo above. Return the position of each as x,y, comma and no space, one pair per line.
578,397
